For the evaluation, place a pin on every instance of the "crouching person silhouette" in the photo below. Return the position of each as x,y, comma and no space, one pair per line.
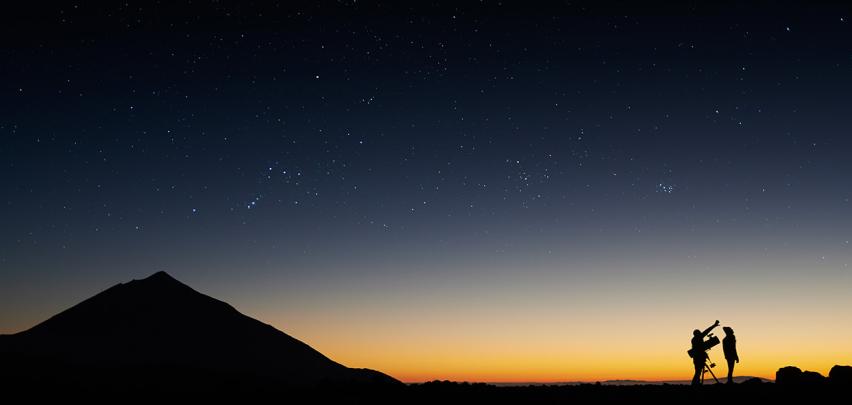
699,356
729,346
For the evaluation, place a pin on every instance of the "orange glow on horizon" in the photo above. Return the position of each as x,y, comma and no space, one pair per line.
545,329
578,333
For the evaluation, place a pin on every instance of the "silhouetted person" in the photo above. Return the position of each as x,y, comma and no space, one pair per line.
729,346
699,356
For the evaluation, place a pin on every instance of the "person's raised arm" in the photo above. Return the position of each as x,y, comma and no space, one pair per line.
706,331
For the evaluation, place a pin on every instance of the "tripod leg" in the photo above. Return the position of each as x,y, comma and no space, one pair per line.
711,373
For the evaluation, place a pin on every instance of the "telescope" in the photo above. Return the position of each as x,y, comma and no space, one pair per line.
707,345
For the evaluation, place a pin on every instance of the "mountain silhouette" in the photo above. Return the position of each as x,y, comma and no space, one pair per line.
159,331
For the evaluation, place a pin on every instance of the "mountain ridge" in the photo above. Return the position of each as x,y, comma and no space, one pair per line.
160,323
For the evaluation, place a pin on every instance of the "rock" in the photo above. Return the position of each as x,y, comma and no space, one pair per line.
794,376
753,381
789,375
840,375
812,378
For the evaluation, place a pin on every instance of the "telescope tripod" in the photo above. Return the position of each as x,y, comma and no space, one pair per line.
708,368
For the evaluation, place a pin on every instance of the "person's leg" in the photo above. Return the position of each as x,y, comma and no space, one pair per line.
730,371
696,378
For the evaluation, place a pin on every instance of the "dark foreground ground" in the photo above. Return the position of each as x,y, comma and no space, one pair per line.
428,393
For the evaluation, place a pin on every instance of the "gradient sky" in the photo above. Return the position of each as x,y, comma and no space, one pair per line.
470,192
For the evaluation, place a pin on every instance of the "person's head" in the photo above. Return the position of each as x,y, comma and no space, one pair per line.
728,330
696,333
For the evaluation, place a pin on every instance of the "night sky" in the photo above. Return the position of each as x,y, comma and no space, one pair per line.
462,191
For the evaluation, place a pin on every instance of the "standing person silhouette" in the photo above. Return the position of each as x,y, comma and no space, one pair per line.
729,346
699,356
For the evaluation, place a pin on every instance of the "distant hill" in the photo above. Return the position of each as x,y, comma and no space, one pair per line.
158,332
739,379
708,381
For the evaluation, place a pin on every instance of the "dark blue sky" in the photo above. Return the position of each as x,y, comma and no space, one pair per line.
342,143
